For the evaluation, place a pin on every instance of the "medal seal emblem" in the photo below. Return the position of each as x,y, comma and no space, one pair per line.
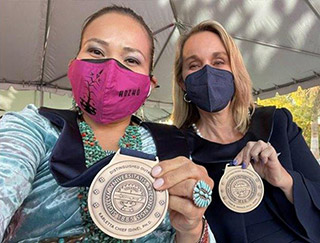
122,201
241,190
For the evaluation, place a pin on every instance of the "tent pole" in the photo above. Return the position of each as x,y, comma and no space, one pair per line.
314,10
35,98
41,96
287,48
174,12
164,46
162,29
45,45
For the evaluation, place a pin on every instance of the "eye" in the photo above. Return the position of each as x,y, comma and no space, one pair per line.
132,61
194,66
95,52
218,62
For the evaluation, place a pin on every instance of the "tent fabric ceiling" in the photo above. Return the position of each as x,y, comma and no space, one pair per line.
279,40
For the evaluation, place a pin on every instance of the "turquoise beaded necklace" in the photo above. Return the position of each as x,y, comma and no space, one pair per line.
93,153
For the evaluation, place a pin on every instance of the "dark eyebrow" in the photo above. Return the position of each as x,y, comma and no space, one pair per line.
130,49
99,41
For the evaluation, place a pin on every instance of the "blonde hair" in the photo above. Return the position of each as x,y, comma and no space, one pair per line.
184,114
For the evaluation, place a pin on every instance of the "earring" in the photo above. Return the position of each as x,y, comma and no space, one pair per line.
185,98
250,113
76,108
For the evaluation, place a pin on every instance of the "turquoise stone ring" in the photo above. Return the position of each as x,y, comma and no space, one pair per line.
202,194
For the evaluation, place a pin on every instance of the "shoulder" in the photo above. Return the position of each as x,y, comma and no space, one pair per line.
283,120
28,118
148,144
283,114
284,124
280,116
29,113
271,121
167,137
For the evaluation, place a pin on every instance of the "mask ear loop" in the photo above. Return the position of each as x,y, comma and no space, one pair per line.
186,99
149,93
150,88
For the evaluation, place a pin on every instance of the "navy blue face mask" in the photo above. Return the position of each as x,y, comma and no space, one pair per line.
210,88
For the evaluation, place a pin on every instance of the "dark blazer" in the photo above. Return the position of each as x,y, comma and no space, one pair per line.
275,219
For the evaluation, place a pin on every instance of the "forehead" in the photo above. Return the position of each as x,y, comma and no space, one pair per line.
120,28
202,43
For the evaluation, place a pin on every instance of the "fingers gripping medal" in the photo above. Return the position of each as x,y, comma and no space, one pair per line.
122,201
241,190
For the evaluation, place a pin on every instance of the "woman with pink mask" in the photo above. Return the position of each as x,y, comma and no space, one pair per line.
49,158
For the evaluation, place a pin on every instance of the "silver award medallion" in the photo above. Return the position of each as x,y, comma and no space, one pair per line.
122,201
241,190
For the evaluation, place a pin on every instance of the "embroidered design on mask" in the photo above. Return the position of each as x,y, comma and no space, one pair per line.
129,92
86,101
98,86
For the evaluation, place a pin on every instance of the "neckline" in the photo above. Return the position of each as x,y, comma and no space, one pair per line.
130,139
199,136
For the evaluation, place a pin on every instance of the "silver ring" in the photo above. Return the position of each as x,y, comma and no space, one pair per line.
202,194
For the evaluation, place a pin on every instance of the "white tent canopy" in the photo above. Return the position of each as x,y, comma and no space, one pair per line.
279,40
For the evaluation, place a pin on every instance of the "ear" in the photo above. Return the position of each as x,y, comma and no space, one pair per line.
182,85
70,61
154,82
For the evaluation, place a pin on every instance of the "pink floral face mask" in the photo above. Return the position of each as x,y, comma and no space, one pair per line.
106,90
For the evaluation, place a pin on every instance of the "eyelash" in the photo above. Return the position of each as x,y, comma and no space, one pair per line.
94,50
215,63
129,59
192,66
218,62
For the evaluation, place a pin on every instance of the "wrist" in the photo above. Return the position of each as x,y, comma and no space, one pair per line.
287,186
199,234
286,183
205,232
191,236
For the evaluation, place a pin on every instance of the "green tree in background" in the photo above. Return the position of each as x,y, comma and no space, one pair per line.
304,104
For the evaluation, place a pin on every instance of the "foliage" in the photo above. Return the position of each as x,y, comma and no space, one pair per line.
303,104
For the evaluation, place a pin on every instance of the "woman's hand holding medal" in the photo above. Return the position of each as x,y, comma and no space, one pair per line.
264,160
189,189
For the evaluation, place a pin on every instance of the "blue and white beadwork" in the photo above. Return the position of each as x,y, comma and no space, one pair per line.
202,194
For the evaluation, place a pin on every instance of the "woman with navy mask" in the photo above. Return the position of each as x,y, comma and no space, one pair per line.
267,180
49,157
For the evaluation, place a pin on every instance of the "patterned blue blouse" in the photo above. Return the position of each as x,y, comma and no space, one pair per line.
33,206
